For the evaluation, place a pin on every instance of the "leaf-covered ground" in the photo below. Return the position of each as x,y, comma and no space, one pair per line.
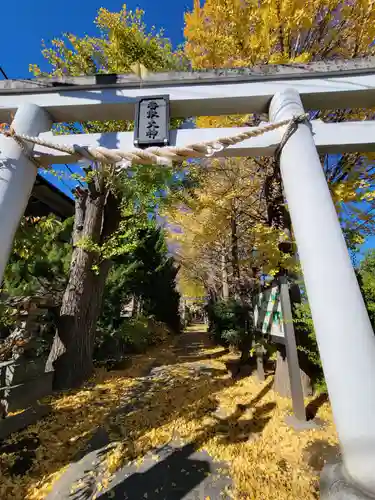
178,391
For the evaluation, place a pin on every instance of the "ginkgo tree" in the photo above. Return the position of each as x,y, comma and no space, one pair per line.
217,229
107,196
40,257
231,33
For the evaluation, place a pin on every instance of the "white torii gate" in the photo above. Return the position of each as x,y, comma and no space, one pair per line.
344,333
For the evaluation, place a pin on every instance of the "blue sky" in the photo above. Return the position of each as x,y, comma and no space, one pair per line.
37,20
26,22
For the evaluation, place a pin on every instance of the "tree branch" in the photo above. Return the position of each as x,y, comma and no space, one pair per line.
80,212
111,217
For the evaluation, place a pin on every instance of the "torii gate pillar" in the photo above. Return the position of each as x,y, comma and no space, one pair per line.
345,337
17,175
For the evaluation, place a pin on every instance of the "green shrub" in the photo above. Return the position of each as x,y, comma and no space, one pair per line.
307,344
366,280
231,323
7,318
133,335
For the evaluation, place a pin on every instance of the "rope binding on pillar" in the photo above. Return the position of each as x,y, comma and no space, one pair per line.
156,155
291,128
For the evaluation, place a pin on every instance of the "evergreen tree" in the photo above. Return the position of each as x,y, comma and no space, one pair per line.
366,278
148,274
157,278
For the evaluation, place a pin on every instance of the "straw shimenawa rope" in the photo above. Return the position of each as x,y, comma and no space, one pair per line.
158,155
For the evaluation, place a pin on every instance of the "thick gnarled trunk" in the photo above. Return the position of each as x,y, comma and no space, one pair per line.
96,217
77,326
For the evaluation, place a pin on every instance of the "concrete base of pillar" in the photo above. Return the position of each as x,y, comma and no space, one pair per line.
335,485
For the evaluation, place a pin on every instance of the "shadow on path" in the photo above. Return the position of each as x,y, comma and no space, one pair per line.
321,452
177,476
314,405
176,470
184,472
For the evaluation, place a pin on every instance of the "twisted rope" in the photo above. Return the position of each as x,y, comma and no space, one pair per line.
158,155
291,128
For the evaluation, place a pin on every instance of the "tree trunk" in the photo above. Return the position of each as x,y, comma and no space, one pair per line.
235,258
224,275
97,217
77,326
211,287
183,311
245,347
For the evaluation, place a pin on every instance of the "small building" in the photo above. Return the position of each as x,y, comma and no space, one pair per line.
46,198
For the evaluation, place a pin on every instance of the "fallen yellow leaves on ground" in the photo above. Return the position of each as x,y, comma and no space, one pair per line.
266,459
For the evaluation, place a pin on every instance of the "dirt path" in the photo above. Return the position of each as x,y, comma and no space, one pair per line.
173,425
174,471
